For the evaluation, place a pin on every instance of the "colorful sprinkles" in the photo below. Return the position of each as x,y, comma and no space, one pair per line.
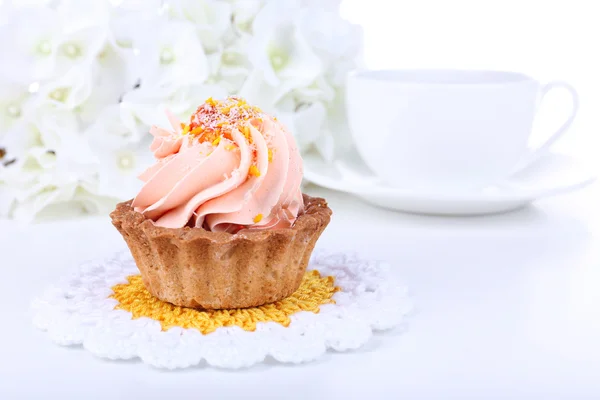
215,119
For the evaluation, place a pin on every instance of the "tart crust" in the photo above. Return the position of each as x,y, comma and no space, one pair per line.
196,268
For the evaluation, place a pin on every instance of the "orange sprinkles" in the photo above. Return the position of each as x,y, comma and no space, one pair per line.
254,171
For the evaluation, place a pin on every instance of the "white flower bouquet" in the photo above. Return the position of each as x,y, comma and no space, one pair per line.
82,81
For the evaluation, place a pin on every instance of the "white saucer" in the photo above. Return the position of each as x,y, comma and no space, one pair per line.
551,175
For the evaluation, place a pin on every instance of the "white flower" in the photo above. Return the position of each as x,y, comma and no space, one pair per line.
34,35
317,118
142,107
91,201
306,122
337,71
47,161
129,24
46,41
80,47
316,111
22,137
331,35
109,82
120,160
78,15
334,39
257,90
109,121
46,181
13,102
337,128
304,111
230,67
120,164
6,198
211,18
68,91
319,90
271,98
43,194
86,32
170,55
279,49
244,12
54,131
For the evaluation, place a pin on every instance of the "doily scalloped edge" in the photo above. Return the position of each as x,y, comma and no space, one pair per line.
78,311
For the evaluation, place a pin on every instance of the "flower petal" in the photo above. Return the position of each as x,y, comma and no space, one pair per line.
211,18
306,124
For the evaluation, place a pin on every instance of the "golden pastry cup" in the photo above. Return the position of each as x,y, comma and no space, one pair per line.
196,268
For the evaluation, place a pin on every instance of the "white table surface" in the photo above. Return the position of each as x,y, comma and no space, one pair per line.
508,306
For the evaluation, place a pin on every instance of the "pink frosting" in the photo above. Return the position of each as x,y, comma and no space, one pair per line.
247,180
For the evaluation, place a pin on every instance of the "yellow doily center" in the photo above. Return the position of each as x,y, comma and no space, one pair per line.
313,292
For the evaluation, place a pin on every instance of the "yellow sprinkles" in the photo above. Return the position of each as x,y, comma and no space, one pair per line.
258,218
313,292
245,130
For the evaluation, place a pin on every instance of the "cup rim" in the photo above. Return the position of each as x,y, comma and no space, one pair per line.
439,77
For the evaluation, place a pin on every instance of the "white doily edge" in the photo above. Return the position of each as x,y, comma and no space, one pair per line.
78,312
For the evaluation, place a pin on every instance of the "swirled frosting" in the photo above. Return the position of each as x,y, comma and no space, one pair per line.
232,167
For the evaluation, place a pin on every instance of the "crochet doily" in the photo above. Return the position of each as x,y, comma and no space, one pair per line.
314,291
104,307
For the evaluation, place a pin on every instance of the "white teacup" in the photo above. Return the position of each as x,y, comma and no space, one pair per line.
441,130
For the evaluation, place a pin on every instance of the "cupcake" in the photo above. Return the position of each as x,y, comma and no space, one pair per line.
221,221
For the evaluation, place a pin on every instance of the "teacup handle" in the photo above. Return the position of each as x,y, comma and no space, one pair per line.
541,150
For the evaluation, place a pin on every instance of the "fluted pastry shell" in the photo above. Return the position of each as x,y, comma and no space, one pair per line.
193,267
